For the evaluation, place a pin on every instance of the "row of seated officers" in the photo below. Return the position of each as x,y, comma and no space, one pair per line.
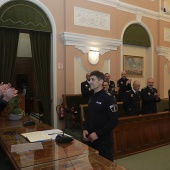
135,102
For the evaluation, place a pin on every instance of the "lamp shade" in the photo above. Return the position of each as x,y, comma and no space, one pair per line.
93,57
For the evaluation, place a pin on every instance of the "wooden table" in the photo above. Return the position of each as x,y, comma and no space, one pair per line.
4,122
50,152
75,155
89,161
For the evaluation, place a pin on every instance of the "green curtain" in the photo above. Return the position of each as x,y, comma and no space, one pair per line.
40,46
8,51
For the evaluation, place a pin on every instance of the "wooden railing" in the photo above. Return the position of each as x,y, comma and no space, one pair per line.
135,134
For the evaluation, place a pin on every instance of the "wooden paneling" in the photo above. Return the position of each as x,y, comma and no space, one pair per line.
139,133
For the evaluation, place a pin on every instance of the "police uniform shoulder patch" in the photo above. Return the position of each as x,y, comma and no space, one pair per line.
114,108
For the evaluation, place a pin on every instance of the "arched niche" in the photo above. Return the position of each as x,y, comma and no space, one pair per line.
137,41
135,34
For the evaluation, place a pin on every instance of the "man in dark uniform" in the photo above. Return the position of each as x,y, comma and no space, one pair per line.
106,89
85,89
131,101
111,83
101,119
124,85
149,98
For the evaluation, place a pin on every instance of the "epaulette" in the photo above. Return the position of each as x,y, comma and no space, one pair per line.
108,94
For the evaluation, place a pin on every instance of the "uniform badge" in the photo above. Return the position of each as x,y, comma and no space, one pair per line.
114,108
86,85
149,93
121,82
131,95
99,102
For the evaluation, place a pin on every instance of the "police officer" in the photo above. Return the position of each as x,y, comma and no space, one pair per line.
149,97
106,89
85,89
111,83
124,84
101,119
131,101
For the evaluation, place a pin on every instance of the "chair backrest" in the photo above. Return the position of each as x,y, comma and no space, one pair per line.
72,100
84,112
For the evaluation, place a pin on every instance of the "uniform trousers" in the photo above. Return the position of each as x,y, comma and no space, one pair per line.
105,146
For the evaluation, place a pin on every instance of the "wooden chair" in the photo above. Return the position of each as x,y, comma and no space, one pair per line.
72,108
84,112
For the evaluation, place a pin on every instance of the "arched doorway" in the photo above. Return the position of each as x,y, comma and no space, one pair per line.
20,7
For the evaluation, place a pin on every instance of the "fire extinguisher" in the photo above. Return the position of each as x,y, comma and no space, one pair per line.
60,111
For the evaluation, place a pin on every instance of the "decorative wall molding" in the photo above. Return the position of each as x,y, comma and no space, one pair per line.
134,9
90,18
164,51
85,43
167,34
139,16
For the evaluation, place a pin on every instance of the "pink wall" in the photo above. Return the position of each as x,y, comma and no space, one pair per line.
63,14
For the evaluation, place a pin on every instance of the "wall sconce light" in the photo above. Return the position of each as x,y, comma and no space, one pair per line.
93,57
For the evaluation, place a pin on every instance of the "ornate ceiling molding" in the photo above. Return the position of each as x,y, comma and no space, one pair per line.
85,43
164,51
134,9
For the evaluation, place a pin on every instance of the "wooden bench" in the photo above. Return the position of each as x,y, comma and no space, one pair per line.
136,134
72,108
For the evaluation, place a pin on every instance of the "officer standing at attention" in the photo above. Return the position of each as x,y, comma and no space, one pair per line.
101,119
149,97
124,85
131,101
85,89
